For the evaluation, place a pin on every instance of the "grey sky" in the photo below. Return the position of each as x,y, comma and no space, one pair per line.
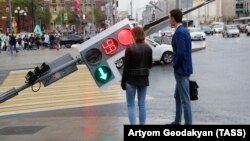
124,5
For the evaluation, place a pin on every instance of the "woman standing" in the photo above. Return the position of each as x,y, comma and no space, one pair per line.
138,61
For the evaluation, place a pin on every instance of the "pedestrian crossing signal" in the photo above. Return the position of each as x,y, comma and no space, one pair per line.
101,51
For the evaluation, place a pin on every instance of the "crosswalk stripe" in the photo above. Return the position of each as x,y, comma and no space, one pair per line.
47,105
54,100
60,107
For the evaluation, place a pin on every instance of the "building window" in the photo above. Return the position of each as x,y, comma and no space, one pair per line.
54,10
54,1
62,1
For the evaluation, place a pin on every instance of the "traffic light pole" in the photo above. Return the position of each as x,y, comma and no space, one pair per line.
14,91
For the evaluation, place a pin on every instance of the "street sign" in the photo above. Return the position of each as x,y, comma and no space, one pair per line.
101,51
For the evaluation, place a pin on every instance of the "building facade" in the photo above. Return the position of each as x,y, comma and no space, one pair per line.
243,8
219,10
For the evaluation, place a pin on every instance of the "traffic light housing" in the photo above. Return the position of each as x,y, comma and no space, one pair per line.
101,51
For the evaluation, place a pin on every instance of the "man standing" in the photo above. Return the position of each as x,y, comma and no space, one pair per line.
182,62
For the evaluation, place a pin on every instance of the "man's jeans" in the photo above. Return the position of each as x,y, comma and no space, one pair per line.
182,99
141,92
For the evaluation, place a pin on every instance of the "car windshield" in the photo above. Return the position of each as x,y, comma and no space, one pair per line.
218,26
231,27
195,30
205,27
150,42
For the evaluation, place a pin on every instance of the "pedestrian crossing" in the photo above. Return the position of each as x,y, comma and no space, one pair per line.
75,90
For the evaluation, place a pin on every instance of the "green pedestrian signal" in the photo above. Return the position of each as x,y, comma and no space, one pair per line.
103,74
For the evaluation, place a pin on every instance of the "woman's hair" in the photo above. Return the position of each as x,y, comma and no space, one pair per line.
138,35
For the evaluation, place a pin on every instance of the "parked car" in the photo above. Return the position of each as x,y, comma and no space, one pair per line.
68,40
248,29
230,30
161,53
207,30
197,34
242,28
217,28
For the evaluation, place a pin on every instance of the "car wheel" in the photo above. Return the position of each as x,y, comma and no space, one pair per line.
238,35
63,46
119,63
248,34
227,36
223,35
167,57
68,46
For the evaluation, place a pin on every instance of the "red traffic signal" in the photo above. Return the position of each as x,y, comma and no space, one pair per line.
125,37
77,4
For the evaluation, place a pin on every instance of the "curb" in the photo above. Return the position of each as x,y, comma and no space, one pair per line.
198,49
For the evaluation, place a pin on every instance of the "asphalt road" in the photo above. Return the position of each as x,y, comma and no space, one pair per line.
221,70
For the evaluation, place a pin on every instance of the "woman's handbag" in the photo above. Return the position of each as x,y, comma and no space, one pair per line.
193,90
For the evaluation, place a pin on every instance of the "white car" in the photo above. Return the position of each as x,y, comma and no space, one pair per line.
161,53
218,28
197,34
230,30
248,29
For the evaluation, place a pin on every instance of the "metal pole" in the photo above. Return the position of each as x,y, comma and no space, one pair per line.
10,17
131,4
18,20
177,4
61,15
92,11
14,91
32,15
84,12
111,12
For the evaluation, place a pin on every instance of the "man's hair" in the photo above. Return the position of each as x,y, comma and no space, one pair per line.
177,15
138,34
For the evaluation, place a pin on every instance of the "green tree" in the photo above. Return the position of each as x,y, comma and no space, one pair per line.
34,9
60,18
98,15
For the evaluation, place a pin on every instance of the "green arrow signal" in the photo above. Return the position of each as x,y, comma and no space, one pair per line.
103,75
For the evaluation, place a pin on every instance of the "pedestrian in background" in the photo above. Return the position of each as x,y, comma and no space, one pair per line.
6,42
138,61
46,40
19,41
12,43
182,62
26,41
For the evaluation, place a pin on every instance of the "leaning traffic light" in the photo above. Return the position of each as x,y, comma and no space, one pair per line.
100,52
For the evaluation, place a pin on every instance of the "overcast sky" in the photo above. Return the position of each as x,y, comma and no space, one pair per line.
124,5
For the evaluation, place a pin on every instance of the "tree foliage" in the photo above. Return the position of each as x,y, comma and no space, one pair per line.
34,9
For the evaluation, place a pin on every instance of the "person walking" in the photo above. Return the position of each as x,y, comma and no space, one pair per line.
26,41
6,41
19,41
182,63
12,43
46,40
137,63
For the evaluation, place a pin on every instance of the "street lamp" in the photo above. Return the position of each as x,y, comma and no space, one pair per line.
24,14
18,11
